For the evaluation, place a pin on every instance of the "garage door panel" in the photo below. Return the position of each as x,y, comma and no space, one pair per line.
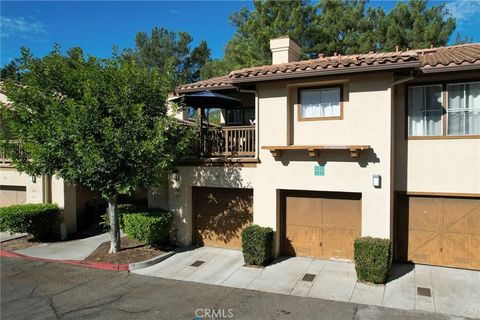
220,239
307,211
303,241
221,214
321,226
475,251
458,250
425,214
11,195
462,218
424,247
342,213
338,243
442,231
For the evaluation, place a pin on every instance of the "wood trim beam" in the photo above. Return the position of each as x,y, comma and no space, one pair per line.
314,151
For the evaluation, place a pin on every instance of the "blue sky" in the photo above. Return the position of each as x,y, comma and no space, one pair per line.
97,26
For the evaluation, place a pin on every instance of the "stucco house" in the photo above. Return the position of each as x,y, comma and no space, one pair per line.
330,149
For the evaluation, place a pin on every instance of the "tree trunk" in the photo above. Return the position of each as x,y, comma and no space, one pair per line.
114,225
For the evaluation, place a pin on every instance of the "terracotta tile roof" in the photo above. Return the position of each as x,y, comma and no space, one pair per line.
217,82
461,55
328,63
428,60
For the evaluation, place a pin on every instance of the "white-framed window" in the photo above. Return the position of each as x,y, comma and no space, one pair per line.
463,109
320,103
425,110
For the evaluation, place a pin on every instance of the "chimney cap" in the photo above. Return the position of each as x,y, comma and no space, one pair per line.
284,49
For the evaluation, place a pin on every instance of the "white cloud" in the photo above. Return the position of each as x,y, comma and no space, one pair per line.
464,10
24,27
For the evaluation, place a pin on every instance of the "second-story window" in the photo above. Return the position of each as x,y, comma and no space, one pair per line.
463,109
425,110
320,103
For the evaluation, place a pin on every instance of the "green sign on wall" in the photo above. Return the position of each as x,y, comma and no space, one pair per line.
319,170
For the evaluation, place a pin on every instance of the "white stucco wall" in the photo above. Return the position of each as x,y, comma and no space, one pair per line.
11,177
446,166
367,121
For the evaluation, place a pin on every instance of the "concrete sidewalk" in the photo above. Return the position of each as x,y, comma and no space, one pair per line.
67,250
5,236
452,291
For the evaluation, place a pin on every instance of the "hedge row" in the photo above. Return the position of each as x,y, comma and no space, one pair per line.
151,227
121,210
40,220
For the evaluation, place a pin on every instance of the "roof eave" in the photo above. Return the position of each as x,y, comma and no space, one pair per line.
452,68
198,89
325,72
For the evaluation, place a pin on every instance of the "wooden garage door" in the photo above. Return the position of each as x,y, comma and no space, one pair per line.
10,195
221,214
439,231
321,225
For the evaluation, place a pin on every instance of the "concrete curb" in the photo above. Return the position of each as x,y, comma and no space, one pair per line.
84,263
13,238
150,262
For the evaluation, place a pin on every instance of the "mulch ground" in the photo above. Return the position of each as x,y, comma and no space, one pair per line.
20,243
130,251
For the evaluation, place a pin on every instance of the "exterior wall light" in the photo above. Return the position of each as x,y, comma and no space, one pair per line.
175,175
377,181
32,179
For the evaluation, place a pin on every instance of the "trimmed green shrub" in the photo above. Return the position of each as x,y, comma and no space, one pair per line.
373,258
151,227
257,245
121,210
39,220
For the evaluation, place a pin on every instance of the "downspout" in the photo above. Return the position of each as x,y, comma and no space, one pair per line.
402,80
257,122
392,154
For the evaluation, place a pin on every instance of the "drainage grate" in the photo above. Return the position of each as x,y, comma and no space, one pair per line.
197,263
426,292
309,277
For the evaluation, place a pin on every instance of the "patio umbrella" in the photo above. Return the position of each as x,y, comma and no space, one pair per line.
208,99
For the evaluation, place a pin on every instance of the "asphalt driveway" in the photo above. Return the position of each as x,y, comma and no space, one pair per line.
44,290
451,291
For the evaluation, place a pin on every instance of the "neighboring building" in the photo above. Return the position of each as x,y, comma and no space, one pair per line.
78,203
81,207
327,150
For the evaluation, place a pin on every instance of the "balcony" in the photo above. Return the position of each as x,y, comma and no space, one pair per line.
226,142
6,150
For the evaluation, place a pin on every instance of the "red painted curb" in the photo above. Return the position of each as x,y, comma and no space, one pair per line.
85,263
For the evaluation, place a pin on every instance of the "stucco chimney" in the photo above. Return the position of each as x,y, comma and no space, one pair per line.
284,50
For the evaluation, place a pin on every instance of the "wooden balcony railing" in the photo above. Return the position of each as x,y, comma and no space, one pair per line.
6,151
227,142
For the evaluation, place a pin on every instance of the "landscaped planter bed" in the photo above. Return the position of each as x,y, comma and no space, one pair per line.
131,251
20,243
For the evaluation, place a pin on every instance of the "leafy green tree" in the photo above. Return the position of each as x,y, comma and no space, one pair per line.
10,71
331,26
163,46
99,123
250,46
413,25
217,67
459,40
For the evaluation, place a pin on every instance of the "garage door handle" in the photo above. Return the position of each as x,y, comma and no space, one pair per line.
321,244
